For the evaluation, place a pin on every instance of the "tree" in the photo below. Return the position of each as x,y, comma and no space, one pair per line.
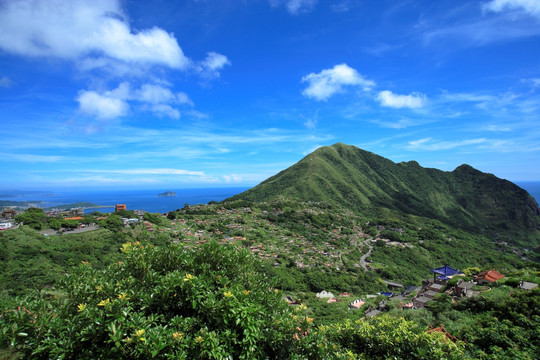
55,223
113,223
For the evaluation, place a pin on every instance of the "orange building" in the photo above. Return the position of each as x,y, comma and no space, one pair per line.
120,207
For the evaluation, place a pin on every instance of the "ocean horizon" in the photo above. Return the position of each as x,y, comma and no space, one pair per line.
148,200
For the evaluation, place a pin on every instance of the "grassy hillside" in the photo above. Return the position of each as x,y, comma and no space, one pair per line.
466,198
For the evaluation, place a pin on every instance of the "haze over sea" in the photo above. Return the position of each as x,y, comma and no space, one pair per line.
148,200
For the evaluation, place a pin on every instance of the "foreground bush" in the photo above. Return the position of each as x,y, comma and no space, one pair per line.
177,303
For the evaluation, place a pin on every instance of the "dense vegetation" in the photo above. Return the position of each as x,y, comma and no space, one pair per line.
465,198
238,253
210,303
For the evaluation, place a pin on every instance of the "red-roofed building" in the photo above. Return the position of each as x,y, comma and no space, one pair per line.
488,277
442,330
119,207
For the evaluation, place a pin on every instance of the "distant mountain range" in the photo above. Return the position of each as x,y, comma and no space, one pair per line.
362,181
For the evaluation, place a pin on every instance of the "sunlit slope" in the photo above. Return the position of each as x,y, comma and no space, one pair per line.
347,176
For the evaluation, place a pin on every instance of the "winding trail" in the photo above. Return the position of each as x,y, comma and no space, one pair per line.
363,258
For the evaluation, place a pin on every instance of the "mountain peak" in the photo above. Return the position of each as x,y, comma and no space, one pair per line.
349,177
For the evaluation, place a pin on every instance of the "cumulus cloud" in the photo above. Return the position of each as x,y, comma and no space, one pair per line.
115,103
102,106
389,99
295,7
156,94
530,6
212,64
328,82
77,28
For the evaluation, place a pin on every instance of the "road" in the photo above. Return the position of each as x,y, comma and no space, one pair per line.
363,258
74,231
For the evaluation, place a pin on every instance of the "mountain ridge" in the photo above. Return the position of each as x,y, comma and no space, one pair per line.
363,181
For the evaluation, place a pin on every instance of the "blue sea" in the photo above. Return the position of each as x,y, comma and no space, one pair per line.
532,187
147,200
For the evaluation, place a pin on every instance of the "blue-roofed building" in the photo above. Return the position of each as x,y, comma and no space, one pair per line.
444,273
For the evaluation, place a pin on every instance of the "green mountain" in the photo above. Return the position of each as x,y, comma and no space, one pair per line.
466,198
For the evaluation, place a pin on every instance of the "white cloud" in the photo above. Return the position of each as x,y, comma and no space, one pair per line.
295,7
33,158
5,82
156,94
530,6
102,106
165,110
430,144
232,178
115,103
389,99
159,171
328,82
76,28
213,63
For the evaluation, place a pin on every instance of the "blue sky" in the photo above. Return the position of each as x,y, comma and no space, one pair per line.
210,93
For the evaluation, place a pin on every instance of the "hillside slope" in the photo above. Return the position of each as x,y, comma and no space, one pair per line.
347,176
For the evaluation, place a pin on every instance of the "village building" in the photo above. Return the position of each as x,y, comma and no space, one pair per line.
119,207
372,313
443,274
442,330
420,302
435,287
356,304
393,285
9,214
488,277
527,285
324,294
464,288
430,294
5,225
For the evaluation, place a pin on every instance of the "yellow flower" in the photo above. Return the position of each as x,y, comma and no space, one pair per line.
126,247
99,287
128,340
309,320
276,291
81,307
177,335
246,292
104,302
295,317
189,277
123,296
228,294
139,333
199,339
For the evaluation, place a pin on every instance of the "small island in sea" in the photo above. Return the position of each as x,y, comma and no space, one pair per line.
167,194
